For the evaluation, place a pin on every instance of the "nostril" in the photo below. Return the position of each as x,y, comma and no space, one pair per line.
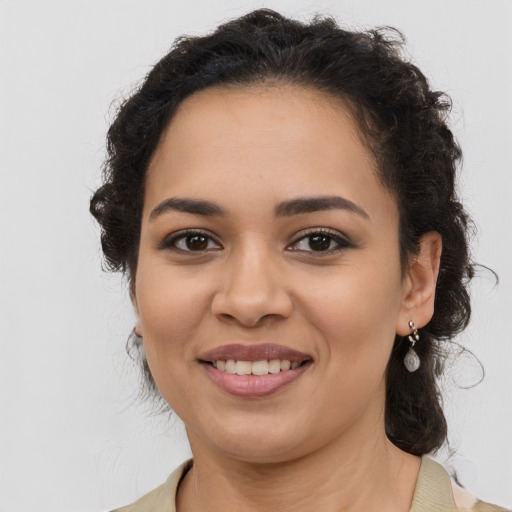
251,322
251,309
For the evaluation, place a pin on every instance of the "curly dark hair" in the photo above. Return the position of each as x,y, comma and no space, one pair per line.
404,124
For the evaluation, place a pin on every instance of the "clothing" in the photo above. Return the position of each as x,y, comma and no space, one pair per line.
435,492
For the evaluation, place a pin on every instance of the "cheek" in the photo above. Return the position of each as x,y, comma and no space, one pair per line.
355,310
354,318
171,309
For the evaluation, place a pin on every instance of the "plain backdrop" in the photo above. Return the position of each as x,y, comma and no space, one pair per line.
72,435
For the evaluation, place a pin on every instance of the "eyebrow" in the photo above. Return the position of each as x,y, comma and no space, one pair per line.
316,204
284,209
193,206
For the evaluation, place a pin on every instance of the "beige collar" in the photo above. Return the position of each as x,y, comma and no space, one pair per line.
433,492
433,489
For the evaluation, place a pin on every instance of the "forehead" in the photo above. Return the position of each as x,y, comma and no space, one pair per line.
262,141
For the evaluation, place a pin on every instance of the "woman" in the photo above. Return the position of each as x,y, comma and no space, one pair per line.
281,197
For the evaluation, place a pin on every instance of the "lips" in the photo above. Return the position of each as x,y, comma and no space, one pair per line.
253,352
238,368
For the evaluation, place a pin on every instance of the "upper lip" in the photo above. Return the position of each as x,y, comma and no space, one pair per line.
253,352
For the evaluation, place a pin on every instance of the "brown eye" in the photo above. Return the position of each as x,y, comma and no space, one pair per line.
190,241
319,242
196,242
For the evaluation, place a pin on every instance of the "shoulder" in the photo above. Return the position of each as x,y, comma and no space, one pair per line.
163,498
435,490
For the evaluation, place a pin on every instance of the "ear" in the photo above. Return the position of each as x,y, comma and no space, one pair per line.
419,284
137,328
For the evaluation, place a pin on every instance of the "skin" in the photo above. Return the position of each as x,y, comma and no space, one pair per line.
319,442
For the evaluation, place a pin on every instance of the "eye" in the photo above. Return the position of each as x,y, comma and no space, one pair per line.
321,241
190,241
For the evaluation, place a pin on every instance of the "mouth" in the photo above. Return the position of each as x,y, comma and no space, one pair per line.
263,367
254,370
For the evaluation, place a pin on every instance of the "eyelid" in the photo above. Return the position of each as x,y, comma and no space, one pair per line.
341,239
168,242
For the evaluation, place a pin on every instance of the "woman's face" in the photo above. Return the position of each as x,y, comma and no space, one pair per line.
267,236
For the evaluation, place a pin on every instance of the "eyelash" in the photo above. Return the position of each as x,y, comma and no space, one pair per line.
334,236
171,241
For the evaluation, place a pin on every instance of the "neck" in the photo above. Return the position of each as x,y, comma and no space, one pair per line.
362,471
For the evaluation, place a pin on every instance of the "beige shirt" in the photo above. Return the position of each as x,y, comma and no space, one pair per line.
435,492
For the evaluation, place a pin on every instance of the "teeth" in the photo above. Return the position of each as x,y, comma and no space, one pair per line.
285,365
255,368
259,368
230,366
274,366
243,367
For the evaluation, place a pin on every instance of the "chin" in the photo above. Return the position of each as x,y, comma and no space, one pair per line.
256,441
266,453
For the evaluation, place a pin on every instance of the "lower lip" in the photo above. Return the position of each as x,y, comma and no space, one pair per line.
249,386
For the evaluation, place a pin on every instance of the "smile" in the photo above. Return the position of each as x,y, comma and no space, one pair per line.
250,385
254,370
263,367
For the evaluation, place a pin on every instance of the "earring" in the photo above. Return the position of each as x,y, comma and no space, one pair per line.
411,360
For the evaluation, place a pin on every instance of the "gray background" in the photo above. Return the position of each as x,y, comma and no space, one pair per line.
71,436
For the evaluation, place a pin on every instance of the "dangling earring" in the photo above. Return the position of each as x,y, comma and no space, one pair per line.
411,360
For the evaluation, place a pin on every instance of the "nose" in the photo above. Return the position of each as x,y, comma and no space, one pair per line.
253,290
